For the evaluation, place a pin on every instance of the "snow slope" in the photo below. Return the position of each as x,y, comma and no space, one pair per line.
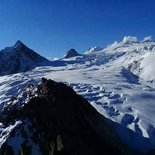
115,80
147,67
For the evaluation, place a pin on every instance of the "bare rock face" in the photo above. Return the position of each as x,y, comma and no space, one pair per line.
59,122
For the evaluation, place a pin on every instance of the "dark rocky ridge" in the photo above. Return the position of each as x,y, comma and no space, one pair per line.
62,122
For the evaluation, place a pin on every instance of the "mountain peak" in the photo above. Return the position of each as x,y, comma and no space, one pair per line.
71,53
93,49
147,39
129,39
19,58
19,45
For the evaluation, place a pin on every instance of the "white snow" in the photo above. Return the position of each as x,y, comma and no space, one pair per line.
129,39
147,66
93,49
6,131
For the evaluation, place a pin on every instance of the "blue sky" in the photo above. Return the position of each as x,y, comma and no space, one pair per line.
52,27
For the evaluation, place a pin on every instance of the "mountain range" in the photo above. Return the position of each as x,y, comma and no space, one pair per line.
100,101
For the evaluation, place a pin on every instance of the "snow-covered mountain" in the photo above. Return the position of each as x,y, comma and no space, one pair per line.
19,58
117,80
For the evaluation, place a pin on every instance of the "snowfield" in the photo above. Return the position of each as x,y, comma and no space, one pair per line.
118,81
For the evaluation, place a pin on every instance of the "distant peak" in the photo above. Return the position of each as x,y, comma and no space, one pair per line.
71,53
130,39
147,39
72,50
19,45
93,49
